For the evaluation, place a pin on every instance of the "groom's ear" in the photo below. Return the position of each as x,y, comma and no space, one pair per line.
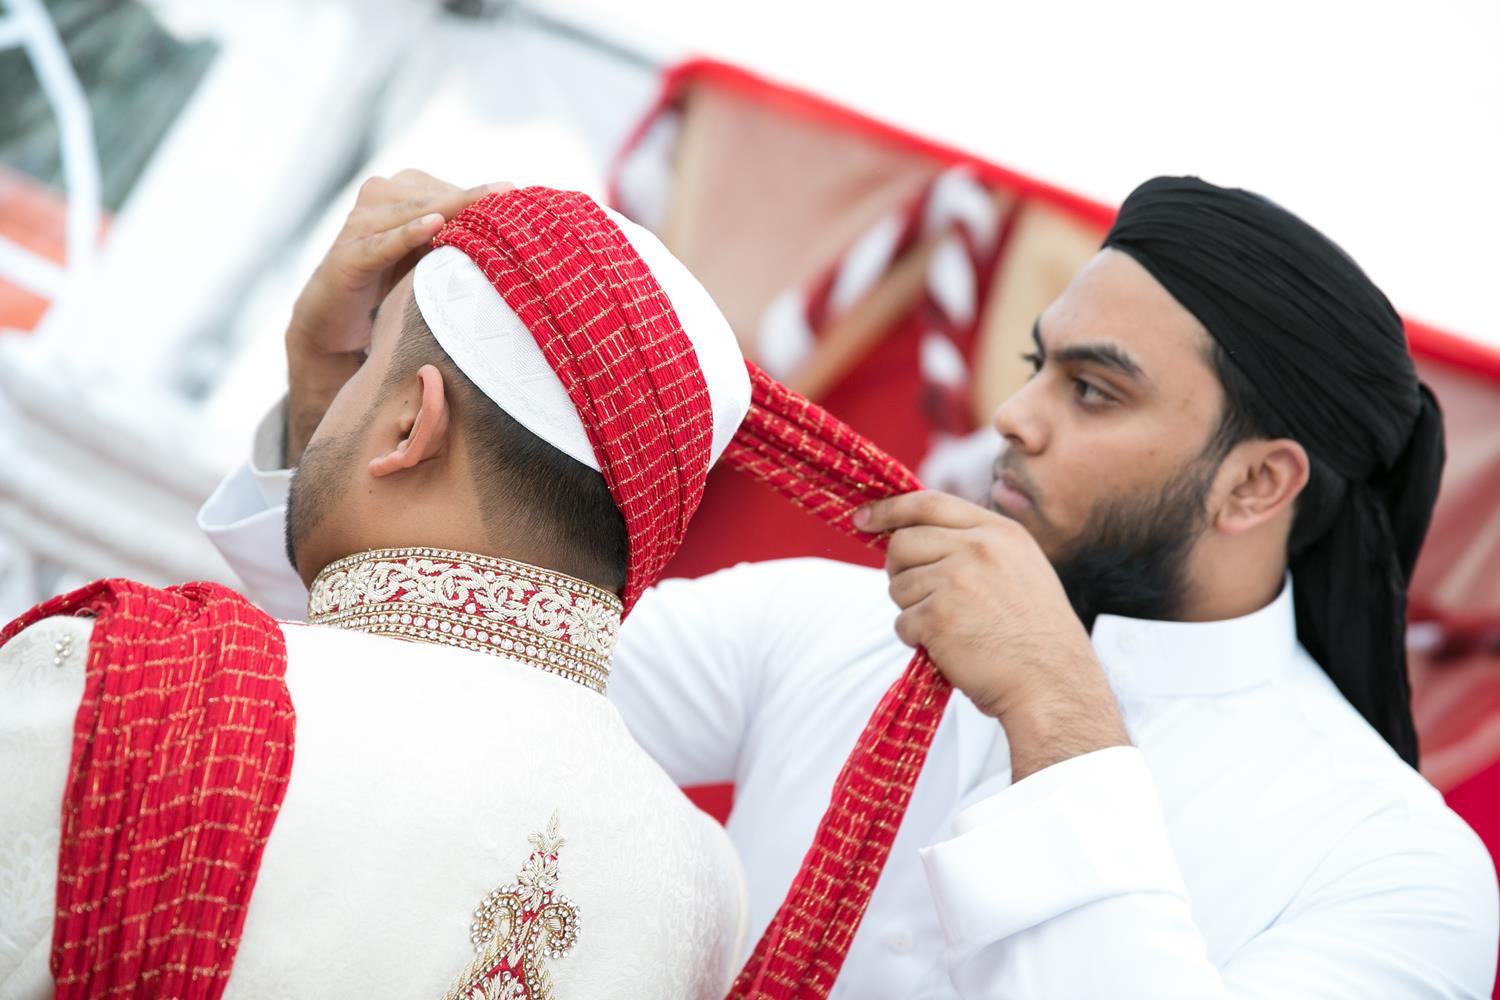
422,427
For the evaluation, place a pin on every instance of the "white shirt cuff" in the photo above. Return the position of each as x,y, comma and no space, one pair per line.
268,456
245,519
1086,829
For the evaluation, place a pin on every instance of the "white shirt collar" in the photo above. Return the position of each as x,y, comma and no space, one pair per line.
1193,659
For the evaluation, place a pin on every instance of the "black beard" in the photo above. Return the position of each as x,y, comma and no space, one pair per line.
316,484
1131,558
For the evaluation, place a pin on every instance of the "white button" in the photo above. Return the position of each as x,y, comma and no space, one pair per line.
1132,639
899,941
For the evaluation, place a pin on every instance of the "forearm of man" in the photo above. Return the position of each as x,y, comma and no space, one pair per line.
314,378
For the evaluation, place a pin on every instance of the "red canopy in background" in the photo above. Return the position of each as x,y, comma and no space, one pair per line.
895,281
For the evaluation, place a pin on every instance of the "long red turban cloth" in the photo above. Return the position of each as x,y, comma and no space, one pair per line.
611,334
182,749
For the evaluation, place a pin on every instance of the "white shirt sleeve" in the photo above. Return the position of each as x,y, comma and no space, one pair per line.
1064,884
245,520
683,675
699,661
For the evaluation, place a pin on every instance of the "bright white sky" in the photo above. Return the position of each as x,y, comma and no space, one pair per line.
1378,121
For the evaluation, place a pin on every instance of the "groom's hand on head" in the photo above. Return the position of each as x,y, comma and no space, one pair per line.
390,227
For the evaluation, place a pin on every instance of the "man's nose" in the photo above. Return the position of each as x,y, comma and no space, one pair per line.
1020,419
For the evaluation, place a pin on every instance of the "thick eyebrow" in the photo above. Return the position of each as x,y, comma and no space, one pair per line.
1104,355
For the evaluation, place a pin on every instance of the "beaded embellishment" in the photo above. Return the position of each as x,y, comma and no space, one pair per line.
519,926
555,622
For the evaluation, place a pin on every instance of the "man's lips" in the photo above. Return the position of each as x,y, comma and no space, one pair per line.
1008,495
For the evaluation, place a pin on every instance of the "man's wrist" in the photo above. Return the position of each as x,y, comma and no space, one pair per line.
314,378
1055,727
302,344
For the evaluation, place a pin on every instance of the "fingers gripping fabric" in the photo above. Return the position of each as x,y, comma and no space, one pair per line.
182,749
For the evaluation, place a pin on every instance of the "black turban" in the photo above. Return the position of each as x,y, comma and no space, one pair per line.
1327,353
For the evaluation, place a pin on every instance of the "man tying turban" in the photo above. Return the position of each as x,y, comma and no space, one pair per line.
1185,613
425,789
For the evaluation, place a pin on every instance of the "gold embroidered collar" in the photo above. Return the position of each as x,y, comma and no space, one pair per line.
555,622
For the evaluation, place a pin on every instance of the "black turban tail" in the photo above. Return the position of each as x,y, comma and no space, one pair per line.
1327,352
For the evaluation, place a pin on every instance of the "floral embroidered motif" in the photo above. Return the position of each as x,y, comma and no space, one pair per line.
517,926
563,625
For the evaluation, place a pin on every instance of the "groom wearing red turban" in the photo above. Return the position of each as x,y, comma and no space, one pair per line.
274,809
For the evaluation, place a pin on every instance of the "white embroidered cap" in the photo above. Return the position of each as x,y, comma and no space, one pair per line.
489,343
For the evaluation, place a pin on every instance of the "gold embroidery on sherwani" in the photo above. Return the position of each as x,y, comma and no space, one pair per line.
518,927
560,624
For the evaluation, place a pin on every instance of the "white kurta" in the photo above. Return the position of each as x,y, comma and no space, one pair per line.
1260,840
418,774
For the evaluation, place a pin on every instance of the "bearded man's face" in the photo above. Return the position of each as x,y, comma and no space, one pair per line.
1109,451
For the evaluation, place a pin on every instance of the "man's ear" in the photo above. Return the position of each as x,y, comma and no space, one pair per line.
424,430
1265,480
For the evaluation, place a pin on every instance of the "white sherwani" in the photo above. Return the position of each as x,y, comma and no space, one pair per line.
1259,841
418,775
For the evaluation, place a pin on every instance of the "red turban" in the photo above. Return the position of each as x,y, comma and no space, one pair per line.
610,332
